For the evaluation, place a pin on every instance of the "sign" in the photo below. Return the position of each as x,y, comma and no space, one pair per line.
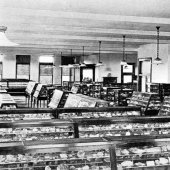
30,87
37,90
55,100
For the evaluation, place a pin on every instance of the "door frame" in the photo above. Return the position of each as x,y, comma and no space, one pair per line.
132,74
139,80
91,66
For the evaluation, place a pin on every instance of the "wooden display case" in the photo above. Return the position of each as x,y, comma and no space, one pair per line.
108,81
123,96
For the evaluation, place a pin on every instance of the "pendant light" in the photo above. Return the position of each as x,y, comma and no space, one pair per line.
3,39
126,65
75,65
61,66
157,60
123,62
83,64
99,62
70,65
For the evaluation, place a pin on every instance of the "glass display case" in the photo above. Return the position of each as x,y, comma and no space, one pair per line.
153,154
149,102
25,125
34,139
120,128
165,107
62,155
35,130
99,112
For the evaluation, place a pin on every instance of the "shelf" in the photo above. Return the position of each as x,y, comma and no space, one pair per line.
28,133
34,123
53,160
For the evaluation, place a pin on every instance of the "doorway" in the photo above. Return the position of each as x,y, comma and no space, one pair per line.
144,73
87,72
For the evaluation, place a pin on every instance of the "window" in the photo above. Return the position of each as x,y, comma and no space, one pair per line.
23,66
87,73
128,73
46,69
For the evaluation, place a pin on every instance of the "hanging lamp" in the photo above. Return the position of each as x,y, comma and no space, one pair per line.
157,60
75,65
99,62
123,62
70,65
125,65
3,39
83,64
61,66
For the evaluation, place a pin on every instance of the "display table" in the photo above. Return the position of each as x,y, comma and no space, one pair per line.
6,100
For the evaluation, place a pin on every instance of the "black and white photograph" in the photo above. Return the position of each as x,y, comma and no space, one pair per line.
84,84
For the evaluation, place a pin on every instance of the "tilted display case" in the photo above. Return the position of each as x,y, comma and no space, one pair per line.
165,107
149,102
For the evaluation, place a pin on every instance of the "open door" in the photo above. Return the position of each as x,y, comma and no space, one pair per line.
144,73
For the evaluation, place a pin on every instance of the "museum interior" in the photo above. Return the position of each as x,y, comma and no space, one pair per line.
84,85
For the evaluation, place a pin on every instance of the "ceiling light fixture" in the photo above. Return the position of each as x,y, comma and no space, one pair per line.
3,39
99,62
123,62
75,65
61,66
157,60
83,64
126,65
70,65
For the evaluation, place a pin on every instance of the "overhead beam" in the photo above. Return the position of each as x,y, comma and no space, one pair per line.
58,50
77,15
40,37
72,29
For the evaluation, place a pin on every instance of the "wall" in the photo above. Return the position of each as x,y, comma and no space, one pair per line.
160,73
111,64
9,64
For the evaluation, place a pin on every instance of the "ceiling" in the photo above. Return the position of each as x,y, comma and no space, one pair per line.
54,26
